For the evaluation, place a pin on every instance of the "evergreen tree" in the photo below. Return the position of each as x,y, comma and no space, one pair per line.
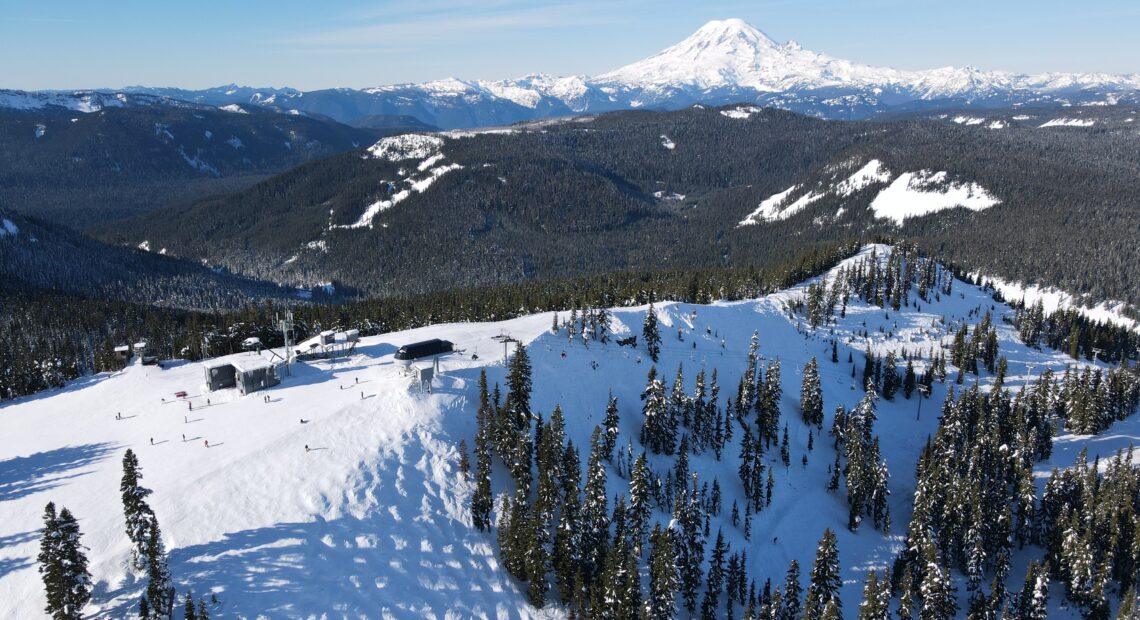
876,598
159,589
189,612
714,580
595,513
791,605
63,565
136,511
658,430
612,428
639,508
663,575
650,334
937,589
811,396
909,380
890,377
824,584
481,500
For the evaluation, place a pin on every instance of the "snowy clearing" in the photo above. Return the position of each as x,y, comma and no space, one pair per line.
914,194
1068,122
743,112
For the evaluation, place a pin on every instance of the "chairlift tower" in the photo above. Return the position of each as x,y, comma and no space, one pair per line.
285,324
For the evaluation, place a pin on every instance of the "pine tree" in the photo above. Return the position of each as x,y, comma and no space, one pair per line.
639,508
890,377
714,579
791,605
481,500
663,575
595,513
137,513
189,612
785,451
612,428
75,578
824,584
937,588
567,555
1033,600
159,589
203,613
658,431
909,380
876,599
651,335
811,396
51,562
63,565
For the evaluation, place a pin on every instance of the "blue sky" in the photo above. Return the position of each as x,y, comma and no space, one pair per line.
309,45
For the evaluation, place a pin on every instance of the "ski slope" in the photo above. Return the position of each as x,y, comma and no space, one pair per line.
372,520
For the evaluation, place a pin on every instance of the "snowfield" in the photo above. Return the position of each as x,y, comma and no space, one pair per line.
914,194
372,521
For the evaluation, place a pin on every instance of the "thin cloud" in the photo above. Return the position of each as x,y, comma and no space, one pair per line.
448,20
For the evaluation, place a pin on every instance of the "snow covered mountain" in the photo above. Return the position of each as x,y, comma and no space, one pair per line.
341,495
725,61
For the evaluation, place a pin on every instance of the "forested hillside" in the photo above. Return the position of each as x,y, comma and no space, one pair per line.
635,190
80,168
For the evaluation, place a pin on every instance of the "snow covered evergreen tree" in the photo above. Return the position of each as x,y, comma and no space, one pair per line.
651,335
136,511
824,583
63,565
811,396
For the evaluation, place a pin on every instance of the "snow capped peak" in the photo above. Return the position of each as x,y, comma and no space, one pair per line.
722,52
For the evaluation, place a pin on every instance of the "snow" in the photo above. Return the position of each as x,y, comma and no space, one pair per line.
40,131
1053,299
667,143
8,227
235,142
233,107
742,112
1022,117
407,146
968,120
996,125
1068,122
372,522
144,246
914,194
873,172
414,185
769,207
776,207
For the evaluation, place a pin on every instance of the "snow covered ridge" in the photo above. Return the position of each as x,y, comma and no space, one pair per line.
1053,299
912,194
407,146
1068,122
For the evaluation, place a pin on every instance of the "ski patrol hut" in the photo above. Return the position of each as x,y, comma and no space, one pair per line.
247,374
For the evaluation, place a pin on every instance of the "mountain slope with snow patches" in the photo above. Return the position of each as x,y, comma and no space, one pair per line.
341,494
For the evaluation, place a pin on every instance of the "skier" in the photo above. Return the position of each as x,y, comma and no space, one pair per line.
304,421
207,443
152,441
183,437
185,420
306,447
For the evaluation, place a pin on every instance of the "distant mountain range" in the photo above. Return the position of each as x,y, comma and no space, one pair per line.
725,61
